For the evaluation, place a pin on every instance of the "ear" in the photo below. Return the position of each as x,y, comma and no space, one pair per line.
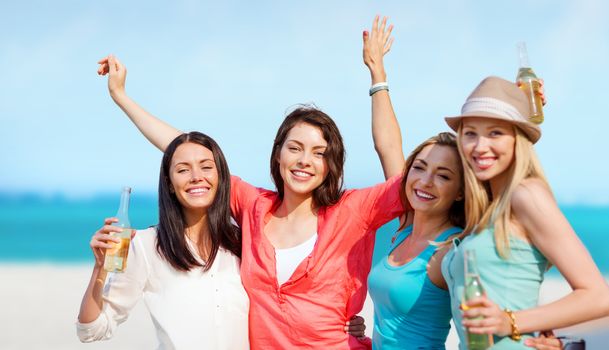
459,197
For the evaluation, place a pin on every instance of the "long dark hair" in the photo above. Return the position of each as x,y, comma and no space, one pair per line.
330,190
456,213
171,240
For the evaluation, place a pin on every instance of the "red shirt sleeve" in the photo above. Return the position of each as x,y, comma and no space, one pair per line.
242,195
378,204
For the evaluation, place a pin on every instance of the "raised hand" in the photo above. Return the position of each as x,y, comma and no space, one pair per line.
117,74
102,240
542,92
377,43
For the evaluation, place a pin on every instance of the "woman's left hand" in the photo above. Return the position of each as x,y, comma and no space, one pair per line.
482,316
356,327
377,43
545,341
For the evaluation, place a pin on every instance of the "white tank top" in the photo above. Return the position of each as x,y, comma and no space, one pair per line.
288,259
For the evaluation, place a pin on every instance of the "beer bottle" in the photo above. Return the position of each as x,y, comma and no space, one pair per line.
473,289
116,257
529,83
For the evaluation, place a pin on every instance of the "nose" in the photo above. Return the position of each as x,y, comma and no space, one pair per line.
196,175
305,158
427,179
481,145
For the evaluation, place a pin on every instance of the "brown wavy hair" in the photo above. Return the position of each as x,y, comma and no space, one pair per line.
330,190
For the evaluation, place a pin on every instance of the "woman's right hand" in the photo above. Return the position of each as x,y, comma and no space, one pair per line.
377,43
117,74
102,240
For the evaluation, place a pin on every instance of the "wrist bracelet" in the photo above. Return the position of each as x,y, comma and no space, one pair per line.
515,332
378,87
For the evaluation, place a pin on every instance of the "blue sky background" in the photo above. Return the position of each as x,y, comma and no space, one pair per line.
232,68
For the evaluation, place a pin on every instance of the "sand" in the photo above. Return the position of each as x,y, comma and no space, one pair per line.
39,304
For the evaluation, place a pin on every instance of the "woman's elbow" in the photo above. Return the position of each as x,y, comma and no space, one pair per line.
604,300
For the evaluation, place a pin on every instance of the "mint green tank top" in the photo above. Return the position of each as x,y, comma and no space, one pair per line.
511,283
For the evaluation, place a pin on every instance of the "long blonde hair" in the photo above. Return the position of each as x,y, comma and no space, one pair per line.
481,209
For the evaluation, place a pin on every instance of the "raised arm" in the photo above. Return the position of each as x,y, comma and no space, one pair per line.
536,210
155,130
385,128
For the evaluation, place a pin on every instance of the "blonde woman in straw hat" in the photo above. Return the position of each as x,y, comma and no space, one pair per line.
411,299
514,226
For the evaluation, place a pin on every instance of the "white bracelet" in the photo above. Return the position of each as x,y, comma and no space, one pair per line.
378,87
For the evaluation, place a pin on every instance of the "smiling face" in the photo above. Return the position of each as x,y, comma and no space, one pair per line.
194,176
301,160
433,181
488,147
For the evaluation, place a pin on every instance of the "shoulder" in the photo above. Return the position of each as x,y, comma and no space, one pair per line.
390,185
242,187
145,237
532,198
530,192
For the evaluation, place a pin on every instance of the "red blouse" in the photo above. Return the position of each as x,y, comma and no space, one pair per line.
329,286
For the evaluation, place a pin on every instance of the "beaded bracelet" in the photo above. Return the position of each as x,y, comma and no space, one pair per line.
378,87
515,331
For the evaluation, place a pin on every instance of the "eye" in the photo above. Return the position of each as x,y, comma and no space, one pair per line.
207,167
444,177
181,171
469,133
496,133
293,148
418,167
319,154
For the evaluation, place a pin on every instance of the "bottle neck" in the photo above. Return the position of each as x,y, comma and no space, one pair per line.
471,267
123,210
523,56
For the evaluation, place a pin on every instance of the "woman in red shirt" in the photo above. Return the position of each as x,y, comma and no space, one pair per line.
309,220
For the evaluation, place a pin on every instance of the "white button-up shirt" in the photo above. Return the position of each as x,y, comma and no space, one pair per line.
190,310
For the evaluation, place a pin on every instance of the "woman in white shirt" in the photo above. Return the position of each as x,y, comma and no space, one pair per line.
186,269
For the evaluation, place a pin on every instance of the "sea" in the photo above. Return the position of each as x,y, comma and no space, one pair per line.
57,229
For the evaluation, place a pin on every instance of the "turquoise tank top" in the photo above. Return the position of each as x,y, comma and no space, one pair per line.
410,312
511,283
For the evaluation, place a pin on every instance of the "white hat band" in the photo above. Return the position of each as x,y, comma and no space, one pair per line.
492,105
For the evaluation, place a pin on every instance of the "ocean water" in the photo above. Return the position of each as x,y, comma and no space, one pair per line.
58,229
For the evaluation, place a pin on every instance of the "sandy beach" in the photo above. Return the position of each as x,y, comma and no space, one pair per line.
39,304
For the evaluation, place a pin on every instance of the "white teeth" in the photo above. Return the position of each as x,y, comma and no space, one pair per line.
198,190
424,195
485,161
300,173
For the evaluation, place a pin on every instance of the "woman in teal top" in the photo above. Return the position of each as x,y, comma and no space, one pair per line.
411,300
403,297
524,269
410,295
515,227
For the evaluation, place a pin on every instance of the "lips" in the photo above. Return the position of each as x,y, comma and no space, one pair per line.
301,175
484,163
198,191
425,196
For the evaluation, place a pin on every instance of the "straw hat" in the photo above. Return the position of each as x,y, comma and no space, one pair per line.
498,99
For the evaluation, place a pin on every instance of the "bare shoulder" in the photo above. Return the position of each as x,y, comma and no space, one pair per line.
531,194
534,207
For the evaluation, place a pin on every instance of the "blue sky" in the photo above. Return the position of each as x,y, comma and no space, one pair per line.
232,68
